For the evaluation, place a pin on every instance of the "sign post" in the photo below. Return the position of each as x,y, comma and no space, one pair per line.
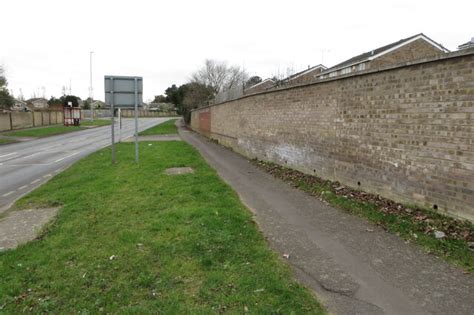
124,92
112,115
120,123
136,120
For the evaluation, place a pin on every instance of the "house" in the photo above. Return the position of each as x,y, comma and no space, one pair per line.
305,76
37,103
260,87
411,48
58,106
20,106
467,45
160,107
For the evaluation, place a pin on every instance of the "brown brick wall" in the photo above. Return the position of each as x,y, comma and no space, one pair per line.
205,121
406,133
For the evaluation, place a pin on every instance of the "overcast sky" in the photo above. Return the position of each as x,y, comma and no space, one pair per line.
46,44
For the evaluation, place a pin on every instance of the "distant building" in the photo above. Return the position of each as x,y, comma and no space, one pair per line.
97,104
411,48
19,105
56,106
305,76
469,44
160,107
260,87
37,103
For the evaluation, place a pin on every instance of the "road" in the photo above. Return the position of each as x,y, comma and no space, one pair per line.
26,165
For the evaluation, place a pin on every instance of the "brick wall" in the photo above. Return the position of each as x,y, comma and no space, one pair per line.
5,123
406,132
37,118
20,120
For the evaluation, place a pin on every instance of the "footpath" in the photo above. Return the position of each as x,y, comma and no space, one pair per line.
353,266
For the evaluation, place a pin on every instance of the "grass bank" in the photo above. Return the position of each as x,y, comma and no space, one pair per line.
6,141
55,129
96,122
412,223
130,239
166,128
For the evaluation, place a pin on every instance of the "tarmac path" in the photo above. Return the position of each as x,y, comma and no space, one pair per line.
353,266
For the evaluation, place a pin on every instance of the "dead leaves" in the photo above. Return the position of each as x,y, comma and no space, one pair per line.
423,221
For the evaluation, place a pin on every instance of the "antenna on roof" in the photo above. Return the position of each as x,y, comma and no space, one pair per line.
322,54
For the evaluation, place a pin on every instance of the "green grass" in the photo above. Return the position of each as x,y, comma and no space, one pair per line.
54,129
6,141
166,128
406,224
130,239
96,122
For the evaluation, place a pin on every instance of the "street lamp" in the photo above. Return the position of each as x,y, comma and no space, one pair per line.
90,86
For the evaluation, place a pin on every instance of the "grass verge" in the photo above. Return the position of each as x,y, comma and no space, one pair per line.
130,239
412,223
54,129
96,122
166,128
7,141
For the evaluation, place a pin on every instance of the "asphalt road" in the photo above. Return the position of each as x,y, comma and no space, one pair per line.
26,165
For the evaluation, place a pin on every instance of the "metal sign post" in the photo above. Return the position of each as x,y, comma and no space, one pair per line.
120,123
124,92
113,120
136,120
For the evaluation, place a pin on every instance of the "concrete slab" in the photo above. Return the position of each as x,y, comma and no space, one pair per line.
179,170
154,138
19,227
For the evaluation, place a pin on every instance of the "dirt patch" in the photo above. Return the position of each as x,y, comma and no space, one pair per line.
22,226
154,138
16,139
428,222
179,170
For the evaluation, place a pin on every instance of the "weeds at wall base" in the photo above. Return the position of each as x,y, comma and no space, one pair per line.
412,223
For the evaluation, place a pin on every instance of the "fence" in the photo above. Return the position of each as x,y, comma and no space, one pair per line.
20,120
229,95
105,113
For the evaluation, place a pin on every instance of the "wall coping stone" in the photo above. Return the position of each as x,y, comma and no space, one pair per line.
451,55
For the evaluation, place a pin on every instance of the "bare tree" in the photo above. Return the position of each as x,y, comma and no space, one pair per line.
219,76
236,77
281,74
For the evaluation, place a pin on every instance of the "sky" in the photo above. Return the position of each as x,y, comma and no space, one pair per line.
46,44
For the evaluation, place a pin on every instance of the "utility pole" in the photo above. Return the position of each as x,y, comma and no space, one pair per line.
91,95
322,55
